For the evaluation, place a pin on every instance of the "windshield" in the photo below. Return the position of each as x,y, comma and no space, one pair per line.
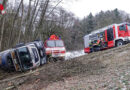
59,43
51,43
24,55
55,43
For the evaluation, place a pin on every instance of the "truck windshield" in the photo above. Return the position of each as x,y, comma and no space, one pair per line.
55,43
24,56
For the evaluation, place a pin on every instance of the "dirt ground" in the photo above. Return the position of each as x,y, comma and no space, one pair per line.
104,70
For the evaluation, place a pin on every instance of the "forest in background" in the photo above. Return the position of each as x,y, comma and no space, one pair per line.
41,18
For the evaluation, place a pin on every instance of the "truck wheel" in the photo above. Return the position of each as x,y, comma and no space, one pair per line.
43,61
49,59
119,43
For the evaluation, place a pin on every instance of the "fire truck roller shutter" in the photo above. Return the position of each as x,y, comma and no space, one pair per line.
110,35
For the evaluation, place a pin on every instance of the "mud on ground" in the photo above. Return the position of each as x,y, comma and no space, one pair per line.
104,70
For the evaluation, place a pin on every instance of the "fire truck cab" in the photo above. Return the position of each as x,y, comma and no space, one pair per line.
55,48
108,37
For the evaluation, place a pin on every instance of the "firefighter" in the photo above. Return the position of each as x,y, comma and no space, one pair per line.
102,44
91,46
97,43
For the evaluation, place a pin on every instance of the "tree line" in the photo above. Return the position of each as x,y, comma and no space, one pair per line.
40,18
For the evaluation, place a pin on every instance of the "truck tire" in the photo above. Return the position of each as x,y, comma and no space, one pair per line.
43,61
119,43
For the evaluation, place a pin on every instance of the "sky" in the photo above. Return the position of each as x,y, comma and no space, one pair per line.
82,8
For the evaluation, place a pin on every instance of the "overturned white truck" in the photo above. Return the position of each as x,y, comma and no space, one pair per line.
23,57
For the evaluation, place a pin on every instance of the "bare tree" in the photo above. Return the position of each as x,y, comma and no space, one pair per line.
21,22
2,31
13,25
3,22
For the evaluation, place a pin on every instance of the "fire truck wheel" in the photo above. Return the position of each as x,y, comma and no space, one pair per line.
55,60
49,59
119,43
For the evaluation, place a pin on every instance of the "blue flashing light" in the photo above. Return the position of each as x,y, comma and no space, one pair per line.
59,37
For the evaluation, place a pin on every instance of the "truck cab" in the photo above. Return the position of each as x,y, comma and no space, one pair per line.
20,58
41,50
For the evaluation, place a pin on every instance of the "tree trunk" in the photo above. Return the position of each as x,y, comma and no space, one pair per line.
21,23
13,24
2,31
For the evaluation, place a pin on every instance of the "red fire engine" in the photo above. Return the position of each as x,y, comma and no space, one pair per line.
55,48
107,37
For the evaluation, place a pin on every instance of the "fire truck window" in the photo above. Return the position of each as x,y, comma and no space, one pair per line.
110,36
128,26
59,43
51,43
122,28
102,36
93,37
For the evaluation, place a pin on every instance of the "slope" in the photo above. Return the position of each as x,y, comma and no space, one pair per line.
108,69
